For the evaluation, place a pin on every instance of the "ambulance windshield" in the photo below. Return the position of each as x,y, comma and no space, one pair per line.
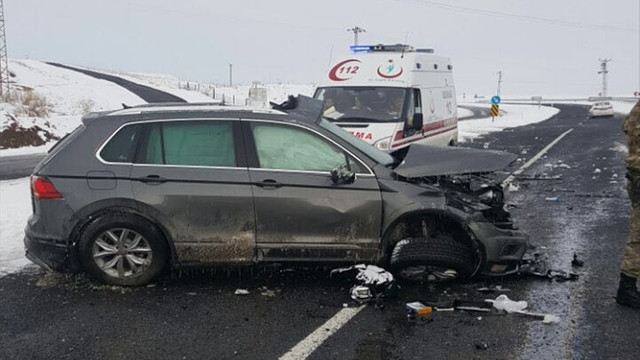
363,104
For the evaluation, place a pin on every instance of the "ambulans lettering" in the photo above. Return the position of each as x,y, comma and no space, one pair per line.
345,70
362,135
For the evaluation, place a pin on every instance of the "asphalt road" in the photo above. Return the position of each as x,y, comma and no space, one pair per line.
18,166
197,316
147,93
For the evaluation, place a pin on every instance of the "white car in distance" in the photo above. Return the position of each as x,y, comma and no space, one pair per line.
602,108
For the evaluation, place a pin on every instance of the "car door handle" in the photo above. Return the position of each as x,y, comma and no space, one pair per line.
152,179
269,184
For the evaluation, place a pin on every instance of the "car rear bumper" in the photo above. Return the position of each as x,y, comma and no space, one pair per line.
49,254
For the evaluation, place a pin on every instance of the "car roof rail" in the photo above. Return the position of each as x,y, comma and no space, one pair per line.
172,104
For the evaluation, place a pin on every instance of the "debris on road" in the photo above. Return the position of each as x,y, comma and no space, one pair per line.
576,262
555,199
505,305
488,290
241,292
374,283
482,346
417,311
537,266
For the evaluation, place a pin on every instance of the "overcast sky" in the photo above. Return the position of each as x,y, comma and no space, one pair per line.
546,47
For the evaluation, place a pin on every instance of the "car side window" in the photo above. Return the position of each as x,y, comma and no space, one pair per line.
292,148
190,143
122,146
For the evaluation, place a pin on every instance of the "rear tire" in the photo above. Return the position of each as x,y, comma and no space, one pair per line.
123,249
441,257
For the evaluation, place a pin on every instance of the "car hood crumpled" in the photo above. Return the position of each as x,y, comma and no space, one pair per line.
428,160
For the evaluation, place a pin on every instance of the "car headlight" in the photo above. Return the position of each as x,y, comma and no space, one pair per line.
491,196
383,144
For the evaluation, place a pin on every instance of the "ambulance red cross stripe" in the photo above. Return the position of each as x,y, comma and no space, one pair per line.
428,130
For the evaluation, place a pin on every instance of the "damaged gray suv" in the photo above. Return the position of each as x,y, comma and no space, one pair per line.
135,191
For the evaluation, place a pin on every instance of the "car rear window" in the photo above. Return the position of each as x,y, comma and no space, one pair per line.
122,146
190,143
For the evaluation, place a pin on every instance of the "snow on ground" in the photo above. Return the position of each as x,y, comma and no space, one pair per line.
464,113
68,95
15,209
511,116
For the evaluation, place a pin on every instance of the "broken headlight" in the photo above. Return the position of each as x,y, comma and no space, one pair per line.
491,196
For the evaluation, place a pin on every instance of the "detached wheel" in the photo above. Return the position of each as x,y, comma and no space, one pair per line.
123,249
434,259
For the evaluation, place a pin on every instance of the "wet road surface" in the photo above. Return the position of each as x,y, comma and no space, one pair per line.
196,315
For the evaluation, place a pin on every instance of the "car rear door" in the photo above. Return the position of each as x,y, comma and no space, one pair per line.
301,214
192,176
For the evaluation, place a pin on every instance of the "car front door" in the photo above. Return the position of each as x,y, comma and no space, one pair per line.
192,176
301,214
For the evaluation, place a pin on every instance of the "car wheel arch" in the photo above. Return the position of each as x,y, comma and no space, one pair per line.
460,231
90,214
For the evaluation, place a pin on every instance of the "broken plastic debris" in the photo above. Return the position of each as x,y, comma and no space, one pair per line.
361,294
550,319
503,304
576,262
241,292
418,311
555,198
546,318
487,290
378,283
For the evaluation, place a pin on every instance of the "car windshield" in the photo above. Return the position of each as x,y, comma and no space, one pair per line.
362,104
378,156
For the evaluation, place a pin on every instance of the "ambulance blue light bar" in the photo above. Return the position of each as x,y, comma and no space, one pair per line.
381,48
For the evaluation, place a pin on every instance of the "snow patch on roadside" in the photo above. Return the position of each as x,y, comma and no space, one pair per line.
15,209
511,116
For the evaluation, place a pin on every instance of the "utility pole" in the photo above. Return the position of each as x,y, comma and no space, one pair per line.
604,72
499,82
230,75
356,30
4,61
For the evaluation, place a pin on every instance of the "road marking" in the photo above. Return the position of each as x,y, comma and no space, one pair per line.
305,347
511,177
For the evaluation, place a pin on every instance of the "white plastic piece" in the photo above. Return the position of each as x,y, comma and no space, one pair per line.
503,304
241,292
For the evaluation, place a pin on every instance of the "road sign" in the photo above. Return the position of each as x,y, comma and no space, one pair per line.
495,109
495,100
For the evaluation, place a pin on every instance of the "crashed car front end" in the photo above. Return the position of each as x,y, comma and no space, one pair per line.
480,201
473,198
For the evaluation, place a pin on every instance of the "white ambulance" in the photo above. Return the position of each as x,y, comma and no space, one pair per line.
392,96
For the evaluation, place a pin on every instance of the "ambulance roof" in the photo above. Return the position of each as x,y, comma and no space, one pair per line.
385,65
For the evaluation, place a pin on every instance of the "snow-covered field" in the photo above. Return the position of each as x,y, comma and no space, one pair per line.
510,116
15,209
69,95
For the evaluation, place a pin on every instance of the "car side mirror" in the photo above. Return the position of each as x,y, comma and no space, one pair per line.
418,121
342,175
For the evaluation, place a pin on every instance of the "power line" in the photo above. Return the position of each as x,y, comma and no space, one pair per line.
521,17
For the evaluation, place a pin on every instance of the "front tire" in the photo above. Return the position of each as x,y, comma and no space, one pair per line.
440,258
123,249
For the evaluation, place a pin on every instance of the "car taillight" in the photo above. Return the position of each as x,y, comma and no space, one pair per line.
42,188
